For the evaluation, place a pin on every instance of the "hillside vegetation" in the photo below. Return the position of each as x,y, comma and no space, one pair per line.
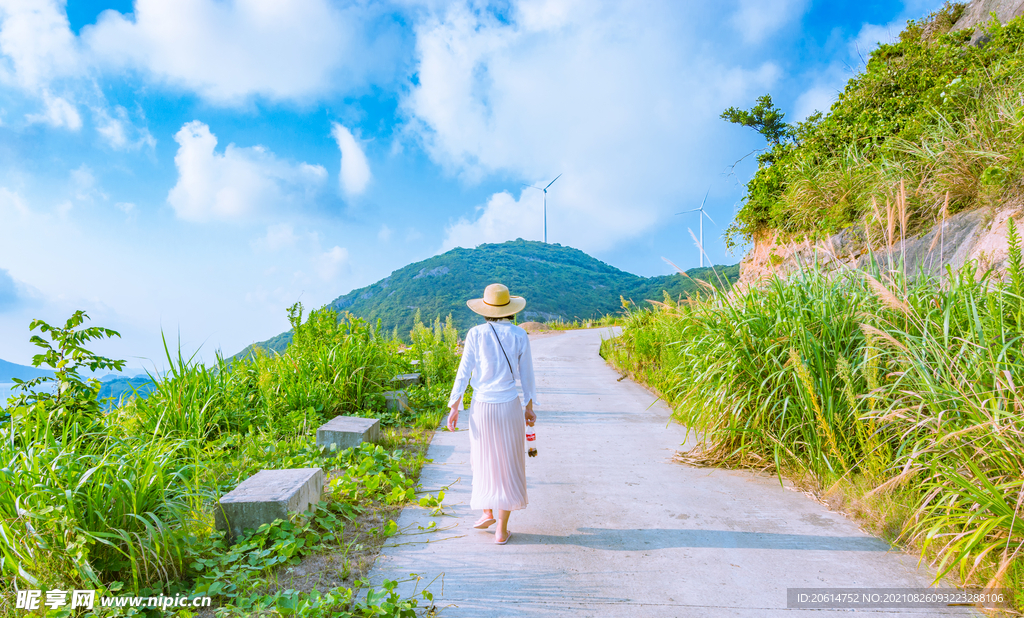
559,283
931,117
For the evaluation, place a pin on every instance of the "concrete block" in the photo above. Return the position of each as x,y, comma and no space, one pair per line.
397,400
343,432
406,380
266,496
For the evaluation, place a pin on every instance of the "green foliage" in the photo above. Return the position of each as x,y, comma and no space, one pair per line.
765,118
434,503
72,397
436,350
930,110
559,284
122,499
909,387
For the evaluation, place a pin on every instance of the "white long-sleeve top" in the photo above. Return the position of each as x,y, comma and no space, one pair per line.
483,365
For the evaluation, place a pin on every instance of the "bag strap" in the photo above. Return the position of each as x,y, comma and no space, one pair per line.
502,350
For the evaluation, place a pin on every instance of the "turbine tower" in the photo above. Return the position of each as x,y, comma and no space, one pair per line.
545,190
703,213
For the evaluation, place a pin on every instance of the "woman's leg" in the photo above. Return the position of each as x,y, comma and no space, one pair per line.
501,532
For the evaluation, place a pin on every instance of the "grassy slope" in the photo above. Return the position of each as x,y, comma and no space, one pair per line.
932,113
556,280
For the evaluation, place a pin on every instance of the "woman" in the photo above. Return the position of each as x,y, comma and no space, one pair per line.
494,355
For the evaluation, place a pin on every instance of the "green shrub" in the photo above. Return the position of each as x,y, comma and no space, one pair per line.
930,111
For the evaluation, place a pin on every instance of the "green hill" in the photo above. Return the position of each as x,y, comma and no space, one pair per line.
22,372
558,283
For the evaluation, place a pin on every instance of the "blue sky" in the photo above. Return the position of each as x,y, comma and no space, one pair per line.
194,167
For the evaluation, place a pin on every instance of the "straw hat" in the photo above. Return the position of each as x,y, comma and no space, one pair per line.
497,303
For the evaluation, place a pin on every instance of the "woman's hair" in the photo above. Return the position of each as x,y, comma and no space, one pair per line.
507,317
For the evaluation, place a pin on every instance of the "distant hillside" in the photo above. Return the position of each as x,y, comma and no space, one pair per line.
8,371
558,283
120,387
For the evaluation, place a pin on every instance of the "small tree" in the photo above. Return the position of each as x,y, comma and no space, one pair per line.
72,395
765,118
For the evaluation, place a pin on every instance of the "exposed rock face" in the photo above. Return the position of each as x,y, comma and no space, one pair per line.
973,235
980,11
433,272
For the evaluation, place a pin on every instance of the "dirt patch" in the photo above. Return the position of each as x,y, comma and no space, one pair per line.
534,327
361,543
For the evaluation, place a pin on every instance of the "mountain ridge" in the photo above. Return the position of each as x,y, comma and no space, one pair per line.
558,282
9,371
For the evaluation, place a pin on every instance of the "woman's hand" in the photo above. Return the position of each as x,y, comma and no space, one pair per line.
453,417
531,418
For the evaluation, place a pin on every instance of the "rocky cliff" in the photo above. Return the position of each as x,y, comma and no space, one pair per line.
980,11
978,235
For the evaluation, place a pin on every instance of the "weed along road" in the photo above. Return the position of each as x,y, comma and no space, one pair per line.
616,528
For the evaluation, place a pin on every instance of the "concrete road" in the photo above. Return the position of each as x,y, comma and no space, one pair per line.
616,528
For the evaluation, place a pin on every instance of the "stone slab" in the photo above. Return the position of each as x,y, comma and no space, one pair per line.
406,380
397,400
344,432
266,496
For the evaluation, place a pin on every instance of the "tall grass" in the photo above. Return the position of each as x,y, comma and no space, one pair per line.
91,496
908,388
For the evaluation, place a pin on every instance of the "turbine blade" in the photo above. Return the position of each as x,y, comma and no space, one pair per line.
552,182
705,199
703,212
686,211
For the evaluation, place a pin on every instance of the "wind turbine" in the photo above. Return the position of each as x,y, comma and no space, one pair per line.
545,190
703,214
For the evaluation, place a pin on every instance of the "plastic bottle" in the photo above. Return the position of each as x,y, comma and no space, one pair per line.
531,442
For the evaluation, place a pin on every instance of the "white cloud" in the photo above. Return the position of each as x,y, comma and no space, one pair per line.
871,35
84,184
502,218
329,263
119,131
227,51
815,99
9,296
58,113
12,204
756,20
620,98
385,233
355,170
236,184
36,43
279,236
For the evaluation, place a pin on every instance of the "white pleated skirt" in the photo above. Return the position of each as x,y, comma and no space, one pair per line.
497,454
